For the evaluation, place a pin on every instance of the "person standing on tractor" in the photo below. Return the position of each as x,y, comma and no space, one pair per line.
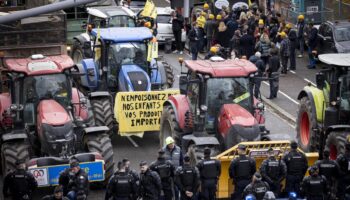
165,170
241,171
273,172
177,25
329,169
296,168
150,183
122,185
187,180
209,170
300,34
20,183
75,181
314,187
343,161
257,187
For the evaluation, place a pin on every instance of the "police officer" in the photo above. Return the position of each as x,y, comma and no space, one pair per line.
187,180
273,172
150,183
314,187
20,183
343,161
57,194
296,168
126,162
209,170
75,181
121,186
241,171
165,170
257,187
329,169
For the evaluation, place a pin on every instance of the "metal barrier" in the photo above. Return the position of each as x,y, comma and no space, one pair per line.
315,17
256,150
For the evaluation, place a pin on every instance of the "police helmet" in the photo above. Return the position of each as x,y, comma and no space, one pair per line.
257,176
73,162
207,151
313,169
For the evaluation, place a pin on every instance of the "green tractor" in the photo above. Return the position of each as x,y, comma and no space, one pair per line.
323,120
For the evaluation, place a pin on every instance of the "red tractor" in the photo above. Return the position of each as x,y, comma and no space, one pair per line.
216,107
44,119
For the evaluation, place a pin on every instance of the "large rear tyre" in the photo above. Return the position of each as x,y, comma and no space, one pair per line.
308,139
169,75
101,144
77,54
169,126
335,143
103,114
11,152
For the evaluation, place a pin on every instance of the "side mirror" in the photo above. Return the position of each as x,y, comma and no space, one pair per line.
183,84
320,80
90,69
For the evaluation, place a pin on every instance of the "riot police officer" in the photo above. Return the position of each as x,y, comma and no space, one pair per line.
257,187
273,172
187,180
241,171
150,183
314,187
329,169
296,168
57,194
343,161
20,183
122,185
165,170
75,181
126,162
209,170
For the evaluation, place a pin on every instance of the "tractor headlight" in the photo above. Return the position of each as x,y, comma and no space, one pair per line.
204,108
333,103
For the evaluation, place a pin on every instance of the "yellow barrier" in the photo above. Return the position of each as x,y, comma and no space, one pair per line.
256,150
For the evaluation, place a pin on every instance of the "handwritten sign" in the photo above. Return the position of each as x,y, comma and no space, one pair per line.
140,111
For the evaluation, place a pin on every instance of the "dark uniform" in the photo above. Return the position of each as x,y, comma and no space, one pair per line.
52,197
314,187
273,171
165,170
74,184
187,179
241,171
121,186
58,194
209,170
258,188
296,168
20,183
150,185
329,169
343,161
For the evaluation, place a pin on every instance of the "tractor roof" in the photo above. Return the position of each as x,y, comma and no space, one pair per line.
110,11
226,68
36,65
124,34
337,59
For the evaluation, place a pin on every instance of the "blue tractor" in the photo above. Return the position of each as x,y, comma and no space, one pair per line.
120,64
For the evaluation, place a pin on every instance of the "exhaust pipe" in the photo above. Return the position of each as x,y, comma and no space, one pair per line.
43,10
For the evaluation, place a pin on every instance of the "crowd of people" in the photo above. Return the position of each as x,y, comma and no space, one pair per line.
264,39
174,176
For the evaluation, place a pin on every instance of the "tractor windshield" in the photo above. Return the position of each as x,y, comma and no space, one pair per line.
130,53
53,86
121,21
227,91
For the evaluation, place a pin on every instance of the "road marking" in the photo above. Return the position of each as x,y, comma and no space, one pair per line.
132,141
307,80
281,118
284,94
293,72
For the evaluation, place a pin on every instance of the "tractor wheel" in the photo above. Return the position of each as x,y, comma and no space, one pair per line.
335,143
307,138
11,152
102,144
103,114
169,126
77,52
169,75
